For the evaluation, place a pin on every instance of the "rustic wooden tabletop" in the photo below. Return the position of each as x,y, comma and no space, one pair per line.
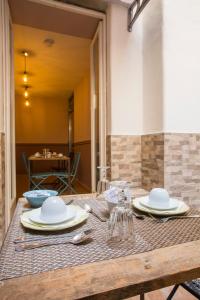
118,278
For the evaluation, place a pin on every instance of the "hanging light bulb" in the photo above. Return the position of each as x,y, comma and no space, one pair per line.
25,74
25,77
27,103
26,93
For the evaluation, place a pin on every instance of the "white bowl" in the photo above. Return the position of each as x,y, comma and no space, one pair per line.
158,198
53,209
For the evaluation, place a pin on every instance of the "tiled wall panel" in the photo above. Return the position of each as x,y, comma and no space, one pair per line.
152,161
170,160
182,166
124,158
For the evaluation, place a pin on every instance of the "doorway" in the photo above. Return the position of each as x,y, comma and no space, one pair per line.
26,9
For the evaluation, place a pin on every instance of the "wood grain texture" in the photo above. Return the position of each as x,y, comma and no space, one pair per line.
113,279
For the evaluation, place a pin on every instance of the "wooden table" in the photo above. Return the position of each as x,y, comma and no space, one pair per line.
118,278
52,158
63,158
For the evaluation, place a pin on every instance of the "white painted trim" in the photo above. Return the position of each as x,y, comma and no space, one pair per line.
93,107
101,35
13,133
71,8
7,81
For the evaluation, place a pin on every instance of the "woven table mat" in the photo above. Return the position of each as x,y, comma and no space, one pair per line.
149,235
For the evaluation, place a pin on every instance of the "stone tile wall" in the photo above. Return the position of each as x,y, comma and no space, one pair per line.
182,166
124,158
152,161
172,160
2,187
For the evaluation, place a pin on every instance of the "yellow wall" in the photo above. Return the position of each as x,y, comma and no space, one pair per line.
82,110
45,121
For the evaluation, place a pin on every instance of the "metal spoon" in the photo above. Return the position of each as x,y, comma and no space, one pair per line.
90,210
24,239
77,239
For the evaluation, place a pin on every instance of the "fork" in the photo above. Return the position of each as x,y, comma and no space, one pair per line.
138,216
165,219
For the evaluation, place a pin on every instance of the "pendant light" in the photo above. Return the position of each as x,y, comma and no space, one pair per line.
25,74
27,103
26,92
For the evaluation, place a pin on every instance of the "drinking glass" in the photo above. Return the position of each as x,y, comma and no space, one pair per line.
103,183
120,224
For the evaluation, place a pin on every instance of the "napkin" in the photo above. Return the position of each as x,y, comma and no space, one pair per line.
112,195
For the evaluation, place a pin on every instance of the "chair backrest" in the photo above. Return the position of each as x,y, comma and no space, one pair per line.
75,164
25,162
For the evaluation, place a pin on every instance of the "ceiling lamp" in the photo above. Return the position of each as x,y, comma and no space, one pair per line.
27,103
25,74
26,92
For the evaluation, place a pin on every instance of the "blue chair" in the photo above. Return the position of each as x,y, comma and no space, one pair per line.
66,179
36,180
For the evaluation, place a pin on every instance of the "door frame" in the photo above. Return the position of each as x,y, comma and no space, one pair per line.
11,189
102,62
7,109
102,104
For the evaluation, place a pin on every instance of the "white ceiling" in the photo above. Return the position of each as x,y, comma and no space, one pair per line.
55,70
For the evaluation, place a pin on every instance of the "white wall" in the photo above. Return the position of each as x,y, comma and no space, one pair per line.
154,71
181,65
124,74
152,68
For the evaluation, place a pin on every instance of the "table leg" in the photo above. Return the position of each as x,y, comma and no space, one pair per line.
29,174
142,296
69,171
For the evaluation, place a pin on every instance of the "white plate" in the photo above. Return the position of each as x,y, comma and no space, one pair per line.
172,204
81,216
181,209
35,216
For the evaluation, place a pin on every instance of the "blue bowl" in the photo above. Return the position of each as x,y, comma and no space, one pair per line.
37,197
